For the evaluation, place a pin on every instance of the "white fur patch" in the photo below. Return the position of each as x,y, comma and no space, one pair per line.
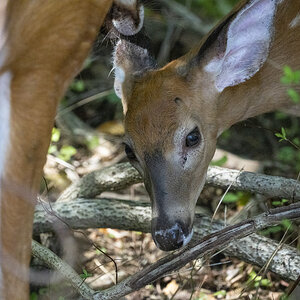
119,74
295,22
119,80
5,80
248,40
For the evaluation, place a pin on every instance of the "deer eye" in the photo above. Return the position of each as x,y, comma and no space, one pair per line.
193,138
129,152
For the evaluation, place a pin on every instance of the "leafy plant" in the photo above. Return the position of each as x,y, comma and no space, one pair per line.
282,135
283,226
291,78
220,162
34,296
258,281
221,293
288,154
77,86
92,142
85,274
237,197
65,152
280,202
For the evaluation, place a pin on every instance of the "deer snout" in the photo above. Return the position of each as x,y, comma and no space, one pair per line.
168,236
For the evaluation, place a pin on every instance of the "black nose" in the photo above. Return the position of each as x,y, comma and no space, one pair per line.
169,238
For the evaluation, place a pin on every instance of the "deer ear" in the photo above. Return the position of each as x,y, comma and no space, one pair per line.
247,45
130,61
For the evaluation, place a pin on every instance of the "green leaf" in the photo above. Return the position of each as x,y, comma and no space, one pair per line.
220,293
33,296
294,95
52,149
231,198
66,152
55,135
273,229
288,76
98,252
277,203
283,132
287,70
284,80
297,77
77,86
265,282
92,142
220,162
85,274
279,135
280,202
286,223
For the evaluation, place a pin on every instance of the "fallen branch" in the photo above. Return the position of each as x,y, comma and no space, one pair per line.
54,262
131,215
112,178
196,249
210,243
122,175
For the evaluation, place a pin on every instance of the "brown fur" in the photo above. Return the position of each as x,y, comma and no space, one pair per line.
47,43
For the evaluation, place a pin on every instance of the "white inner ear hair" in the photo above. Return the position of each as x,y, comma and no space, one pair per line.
248,40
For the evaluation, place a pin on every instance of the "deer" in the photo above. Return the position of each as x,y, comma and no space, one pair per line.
43,45
173,115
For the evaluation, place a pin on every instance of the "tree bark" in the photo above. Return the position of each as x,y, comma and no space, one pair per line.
122,175
131,215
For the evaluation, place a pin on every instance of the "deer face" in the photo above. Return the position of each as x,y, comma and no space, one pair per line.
171,146
173,115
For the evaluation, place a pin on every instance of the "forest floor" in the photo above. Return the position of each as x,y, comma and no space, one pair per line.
215,277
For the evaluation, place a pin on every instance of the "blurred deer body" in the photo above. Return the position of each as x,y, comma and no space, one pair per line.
42,46
174,115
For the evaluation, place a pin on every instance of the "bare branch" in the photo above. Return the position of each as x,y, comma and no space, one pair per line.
122,175
54,262
131,215
112,178
270,186
210,243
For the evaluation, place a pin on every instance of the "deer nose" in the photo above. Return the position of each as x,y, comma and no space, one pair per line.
171,238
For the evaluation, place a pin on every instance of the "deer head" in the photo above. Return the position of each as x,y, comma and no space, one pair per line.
173,115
